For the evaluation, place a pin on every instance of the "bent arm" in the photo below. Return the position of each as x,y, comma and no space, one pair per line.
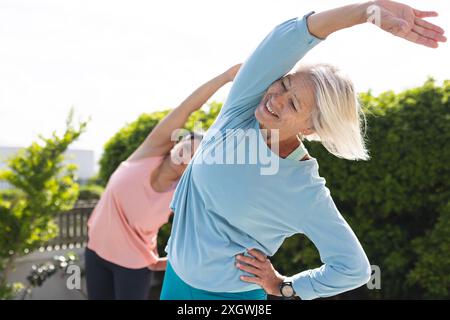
159,141
345,264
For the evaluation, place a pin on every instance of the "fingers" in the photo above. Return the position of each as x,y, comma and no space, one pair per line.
231,72
428,25
234,69
430,34
251,261
424,14
254,264
417,38
249,269
251,280
424,32
257,254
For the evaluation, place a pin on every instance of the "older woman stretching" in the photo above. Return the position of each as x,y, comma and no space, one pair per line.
223,208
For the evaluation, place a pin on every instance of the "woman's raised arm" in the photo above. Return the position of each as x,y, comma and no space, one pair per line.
396,18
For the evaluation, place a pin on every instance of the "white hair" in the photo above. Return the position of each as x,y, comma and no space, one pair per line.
337,118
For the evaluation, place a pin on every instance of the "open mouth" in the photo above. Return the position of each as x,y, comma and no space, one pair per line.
269,109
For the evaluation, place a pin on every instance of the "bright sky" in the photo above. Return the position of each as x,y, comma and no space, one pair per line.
113,60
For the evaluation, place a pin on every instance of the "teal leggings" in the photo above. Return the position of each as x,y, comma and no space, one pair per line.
176,289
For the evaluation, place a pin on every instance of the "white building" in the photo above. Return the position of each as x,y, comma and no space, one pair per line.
84,159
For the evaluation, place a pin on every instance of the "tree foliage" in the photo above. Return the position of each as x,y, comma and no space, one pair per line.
397,202
42,187
127,139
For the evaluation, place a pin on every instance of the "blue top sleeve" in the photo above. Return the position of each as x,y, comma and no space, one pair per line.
346,265
275,56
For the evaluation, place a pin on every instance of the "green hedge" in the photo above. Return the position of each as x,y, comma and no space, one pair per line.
90,192
397,203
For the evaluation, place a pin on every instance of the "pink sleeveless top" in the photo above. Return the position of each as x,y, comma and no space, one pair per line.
124,225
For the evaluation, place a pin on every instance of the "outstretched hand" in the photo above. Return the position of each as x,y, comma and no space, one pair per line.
403,21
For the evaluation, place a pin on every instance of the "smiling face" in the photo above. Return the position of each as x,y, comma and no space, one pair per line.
287,106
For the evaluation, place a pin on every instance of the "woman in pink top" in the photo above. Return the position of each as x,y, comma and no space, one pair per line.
123,228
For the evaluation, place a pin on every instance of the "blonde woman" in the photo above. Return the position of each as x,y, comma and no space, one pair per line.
229,217
123,229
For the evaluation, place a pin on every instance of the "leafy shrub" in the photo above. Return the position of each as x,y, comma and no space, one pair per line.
397,202
90,192
127,139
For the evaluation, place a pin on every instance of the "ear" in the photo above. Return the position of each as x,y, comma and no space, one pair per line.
307,131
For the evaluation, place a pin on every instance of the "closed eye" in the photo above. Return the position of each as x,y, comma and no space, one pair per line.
290,100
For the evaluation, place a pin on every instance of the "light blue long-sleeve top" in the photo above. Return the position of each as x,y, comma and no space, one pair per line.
223,209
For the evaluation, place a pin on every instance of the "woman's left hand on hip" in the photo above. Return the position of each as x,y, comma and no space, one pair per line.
264,274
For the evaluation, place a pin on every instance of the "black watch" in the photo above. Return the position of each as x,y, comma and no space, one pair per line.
287,290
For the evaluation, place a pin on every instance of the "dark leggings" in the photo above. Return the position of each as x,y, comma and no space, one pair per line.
108,281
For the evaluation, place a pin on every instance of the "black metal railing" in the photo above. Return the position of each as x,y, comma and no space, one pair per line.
73,232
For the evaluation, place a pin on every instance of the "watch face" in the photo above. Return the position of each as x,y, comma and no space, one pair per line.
287,291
